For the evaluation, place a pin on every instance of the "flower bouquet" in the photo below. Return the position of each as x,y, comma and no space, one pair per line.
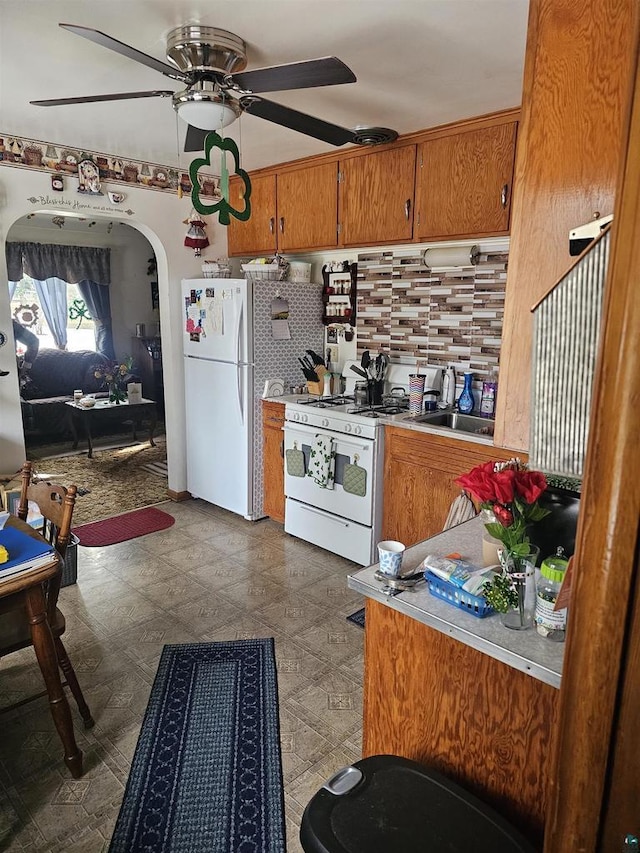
509,491
115,377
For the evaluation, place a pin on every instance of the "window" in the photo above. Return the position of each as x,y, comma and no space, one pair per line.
80,330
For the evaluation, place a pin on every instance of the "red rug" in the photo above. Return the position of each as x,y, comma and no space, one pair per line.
119,528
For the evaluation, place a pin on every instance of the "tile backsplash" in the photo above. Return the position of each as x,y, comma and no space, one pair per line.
444,316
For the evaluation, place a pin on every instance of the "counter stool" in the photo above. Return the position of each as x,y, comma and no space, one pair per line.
389,804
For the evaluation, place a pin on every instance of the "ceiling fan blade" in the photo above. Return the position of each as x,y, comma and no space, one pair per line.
126,50
303,123
329,71
87,99
194,140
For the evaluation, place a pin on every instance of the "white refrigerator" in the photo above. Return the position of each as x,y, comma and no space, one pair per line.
236,336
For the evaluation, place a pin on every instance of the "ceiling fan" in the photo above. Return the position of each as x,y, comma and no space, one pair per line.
211,63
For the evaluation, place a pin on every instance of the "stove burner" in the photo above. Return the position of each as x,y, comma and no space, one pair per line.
377,411
325,402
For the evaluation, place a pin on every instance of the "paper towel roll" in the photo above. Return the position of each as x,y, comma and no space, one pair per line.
451,257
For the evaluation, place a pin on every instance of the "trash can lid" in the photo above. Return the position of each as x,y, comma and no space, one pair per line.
399,805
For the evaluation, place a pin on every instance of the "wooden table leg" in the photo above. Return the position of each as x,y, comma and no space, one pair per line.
44,647
152,425
72,424
87,429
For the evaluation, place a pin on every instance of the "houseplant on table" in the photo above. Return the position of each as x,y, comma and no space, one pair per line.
115,376
510,492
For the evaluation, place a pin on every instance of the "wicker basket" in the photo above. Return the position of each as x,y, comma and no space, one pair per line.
265,272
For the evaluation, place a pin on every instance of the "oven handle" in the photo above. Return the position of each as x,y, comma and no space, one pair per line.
326,515
311,431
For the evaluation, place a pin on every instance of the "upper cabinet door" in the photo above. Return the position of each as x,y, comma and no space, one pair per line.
256,236
376,197
308,208
463,183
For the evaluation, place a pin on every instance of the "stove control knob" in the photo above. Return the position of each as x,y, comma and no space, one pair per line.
325,422
296,416
347,427
357,429
304,418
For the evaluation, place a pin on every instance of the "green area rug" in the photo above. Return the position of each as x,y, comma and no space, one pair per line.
113,482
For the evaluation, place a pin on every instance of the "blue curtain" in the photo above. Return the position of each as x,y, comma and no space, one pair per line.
97,299
52,293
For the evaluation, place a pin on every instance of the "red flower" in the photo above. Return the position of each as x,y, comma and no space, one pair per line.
480,482
504,483
530,485
503,515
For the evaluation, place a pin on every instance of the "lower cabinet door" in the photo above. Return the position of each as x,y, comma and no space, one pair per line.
273,474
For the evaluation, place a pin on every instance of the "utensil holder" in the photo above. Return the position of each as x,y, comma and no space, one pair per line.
317,388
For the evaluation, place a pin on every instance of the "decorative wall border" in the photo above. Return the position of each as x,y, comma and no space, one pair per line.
62,160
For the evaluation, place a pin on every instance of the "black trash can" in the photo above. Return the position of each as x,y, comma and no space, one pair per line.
388,804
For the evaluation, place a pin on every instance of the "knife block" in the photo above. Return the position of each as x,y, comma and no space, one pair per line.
317,388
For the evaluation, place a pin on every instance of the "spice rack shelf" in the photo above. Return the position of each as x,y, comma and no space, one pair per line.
339,295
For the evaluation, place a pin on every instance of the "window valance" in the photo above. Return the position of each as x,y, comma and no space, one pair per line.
69,263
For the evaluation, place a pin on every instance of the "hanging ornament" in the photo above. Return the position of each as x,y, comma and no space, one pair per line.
78,311
26,315
196,238
221,207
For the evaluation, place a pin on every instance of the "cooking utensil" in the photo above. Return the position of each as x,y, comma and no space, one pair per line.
359,371
365,360
308,372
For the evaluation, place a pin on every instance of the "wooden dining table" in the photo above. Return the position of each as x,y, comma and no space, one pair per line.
26,592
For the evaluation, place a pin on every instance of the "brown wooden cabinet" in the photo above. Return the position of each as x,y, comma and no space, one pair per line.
307,204
449,706
463,183
419,473
273,459
256,236
376,197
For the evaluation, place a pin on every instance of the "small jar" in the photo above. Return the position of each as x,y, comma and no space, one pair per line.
77,395
361,394
551,623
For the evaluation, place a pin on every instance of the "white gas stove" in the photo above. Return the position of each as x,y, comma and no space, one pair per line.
344,517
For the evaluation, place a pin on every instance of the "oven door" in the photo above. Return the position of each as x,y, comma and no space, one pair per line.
349,451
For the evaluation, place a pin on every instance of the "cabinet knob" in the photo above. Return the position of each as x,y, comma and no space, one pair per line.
272,224
407,208
504,195
282,224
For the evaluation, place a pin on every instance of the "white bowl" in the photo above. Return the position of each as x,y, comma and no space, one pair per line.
87,402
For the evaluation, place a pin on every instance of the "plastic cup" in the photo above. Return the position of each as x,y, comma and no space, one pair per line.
390,555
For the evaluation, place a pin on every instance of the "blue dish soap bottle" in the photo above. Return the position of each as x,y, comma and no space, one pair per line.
465,400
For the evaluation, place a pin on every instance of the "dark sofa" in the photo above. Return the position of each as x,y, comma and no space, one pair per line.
51,381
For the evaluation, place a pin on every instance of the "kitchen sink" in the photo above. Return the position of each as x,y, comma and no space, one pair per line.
456,421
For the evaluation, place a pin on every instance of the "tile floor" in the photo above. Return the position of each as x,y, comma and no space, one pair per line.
211,576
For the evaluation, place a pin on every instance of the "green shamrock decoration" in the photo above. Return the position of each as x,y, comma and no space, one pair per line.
78,311
222,207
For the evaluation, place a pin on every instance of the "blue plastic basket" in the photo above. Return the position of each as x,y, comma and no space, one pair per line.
473,604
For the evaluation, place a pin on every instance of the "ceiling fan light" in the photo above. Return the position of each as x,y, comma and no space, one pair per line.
207,114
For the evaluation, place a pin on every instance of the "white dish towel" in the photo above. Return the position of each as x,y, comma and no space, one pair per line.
322,461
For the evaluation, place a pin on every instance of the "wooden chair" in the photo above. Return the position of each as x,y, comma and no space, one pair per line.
29,615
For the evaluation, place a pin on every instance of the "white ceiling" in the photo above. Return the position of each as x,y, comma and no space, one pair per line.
418,63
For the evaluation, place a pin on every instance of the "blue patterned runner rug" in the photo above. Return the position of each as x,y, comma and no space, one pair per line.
207,775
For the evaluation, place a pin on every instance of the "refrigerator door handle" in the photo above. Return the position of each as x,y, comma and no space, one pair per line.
239,390
237,333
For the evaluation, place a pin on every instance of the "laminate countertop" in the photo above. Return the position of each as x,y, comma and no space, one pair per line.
526,650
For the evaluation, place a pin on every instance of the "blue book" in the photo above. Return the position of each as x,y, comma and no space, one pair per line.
25,552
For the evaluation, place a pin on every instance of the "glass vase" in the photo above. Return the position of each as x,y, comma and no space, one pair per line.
490,545
521,572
